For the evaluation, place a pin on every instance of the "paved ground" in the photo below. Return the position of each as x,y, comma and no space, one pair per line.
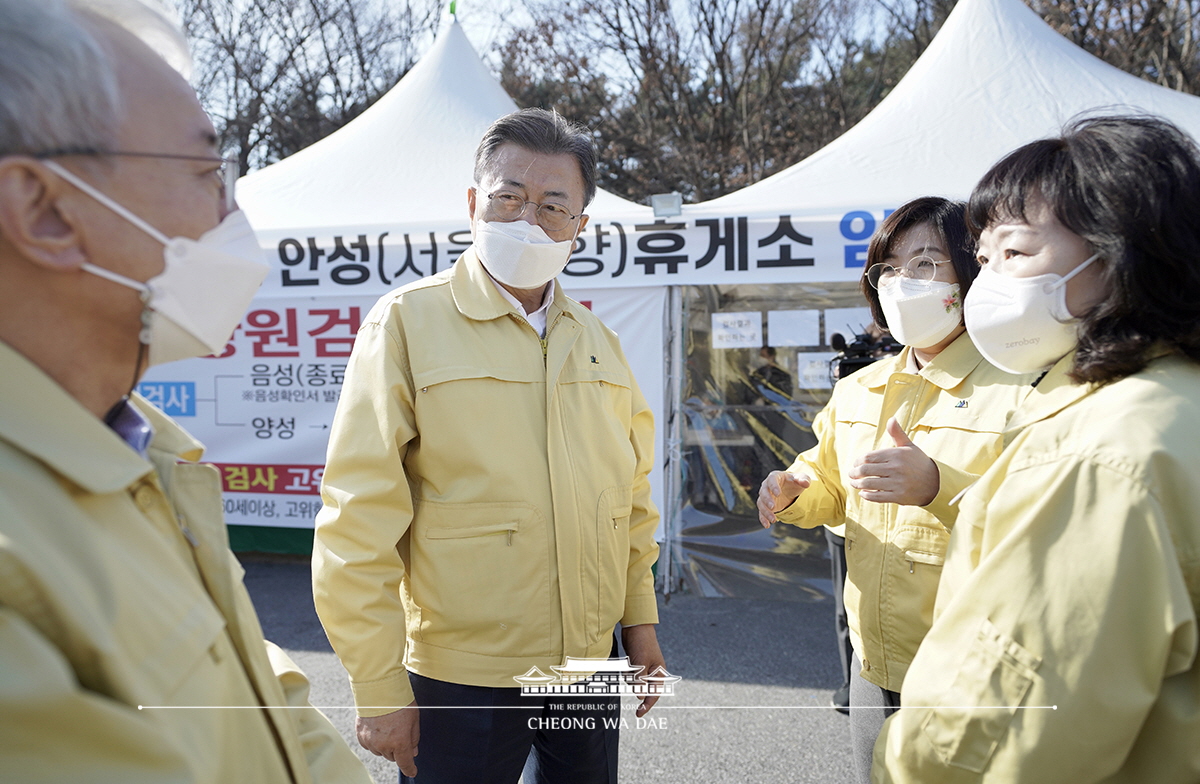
752,705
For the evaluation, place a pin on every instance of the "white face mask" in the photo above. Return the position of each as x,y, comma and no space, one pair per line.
921,313
520,254
195,303
1021,325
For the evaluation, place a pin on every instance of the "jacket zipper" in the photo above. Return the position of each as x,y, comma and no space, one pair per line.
546,340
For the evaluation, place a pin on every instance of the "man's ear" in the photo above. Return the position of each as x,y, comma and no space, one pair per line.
35,218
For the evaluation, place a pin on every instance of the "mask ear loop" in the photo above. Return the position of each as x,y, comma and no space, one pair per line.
106,201
1063,281
143,342
575,236
144,291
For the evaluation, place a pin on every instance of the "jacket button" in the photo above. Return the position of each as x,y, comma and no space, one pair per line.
144,497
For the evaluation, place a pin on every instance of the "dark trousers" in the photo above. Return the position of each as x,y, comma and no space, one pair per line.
837,560
480,735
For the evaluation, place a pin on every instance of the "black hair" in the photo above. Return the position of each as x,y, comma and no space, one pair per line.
541,131
948,220
1130,187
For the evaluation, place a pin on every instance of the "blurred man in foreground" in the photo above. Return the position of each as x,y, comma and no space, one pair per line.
130,650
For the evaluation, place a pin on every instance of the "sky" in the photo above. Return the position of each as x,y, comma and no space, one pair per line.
486,22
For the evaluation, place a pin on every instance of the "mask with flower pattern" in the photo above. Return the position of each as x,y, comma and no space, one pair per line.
921,313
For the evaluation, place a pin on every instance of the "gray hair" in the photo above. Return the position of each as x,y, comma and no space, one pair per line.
540,131
58,82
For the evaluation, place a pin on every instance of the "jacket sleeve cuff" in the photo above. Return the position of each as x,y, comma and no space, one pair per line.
639,609
952,481
793,513
809,510
386,695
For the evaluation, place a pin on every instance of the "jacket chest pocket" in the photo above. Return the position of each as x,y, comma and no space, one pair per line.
150,627
974,714
467,417
965,438
597,389
854,438
173,648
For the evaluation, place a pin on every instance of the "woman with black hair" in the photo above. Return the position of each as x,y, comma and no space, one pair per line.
1064,646
897,442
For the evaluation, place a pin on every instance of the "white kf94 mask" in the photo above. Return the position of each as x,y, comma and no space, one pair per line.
520,254
205,287
921,313
1021,325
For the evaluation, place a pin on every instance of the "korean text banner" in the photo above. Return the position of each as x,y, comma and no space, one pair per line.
697,250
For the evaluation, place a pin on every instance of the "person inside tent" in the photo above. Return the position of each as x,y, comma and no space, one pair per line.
1064,645
897,442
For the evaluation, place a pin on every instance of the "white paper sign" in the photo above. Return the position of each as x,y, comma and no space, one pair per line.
737,330
812,370
794,327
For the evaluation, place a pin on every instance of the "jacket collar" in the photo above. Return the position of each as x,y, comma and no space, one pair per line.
169,438
1056,391
1053,393
947,370
476,296
41,419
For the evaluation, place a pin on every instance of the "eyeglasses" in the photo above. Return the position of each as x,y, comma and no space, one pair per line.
509,206
919,268
226,172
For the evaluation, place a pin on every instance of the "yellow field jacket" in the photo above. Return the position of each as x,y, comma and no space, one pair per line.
1065,641
487,502
118,590
955,409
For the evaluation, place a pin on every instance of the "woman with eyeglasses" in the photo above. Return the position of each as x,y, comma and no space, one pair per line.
898,441
1065,644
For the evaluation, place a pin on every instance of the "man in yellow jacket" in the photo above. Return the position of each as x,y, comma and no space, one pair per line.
487,503
129,649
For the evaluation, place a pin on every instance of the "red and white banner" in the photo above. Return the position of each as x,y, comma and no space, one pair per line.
263,408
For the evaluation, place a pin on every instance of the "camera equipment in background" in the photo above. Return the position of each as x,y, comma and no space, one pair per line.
859,353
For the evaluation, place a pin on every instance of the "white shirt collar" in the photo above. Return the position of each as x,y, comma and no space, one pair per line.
536,319
911,365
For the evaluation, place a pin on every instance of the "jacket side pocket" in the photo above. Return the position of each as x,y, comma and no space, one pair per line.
976,711
613,512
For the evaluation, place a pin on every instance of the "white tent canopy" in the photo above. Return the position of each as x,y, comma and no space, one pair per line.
994,78
381,203
407,159
375,205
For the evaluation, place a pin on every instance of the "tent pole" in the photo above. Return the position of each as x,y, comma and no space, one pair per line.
673,470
